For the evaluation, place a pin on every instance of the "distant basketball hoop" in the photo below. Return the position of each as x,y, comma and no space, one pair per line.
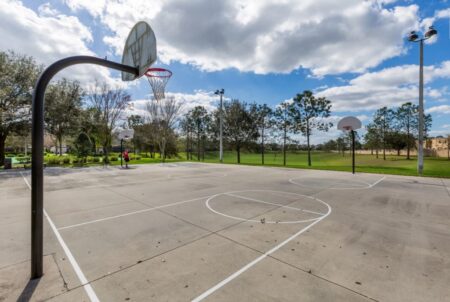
350,123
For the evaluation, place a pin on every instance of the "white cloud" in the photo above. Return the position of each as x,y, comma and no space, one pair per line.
48,37
200,98
47,10
94,7
327,37
444,133
442,109
387,87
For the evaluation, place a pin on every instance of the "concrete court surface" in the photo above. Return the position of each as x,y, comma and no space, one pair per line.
209,232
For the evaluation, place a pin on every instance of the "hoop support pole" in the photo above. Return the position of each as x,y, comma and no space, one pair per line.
353,151
37,160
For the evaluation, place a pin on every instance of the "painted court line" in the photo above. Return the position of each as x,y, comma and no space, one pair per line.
132,213
293,181
84,282
207,203
254,262
275,204
377,182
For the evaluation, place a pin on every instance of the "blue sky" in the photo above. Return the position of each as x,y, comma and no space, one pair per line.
350,51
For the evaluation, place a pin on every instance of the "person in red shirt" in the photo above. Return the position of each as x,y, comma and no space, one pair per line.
126,157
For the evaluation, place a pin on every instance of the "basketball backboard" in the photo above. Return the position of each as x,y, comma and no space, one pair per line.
140,50
126,134
349,123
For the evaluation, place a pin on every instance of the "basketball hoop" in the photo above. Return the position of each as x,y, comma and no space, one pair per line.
158,78
347,128
350,123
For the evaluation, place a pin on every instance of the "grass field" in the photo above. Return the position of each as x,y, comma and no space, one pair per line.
399,165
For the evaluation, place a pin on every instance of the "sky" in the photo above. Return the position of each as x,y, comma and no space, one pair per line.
352,52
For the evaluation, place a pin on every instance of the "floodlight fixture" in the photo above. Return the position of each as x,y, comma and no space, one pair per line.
414,37
431,32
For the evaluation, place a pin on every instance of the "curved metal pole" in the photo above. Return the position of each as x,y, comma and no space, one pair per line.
37,159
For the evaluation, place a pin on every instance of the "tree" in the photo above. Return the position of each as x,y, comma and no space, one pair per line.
407,120
107,105
63,103
372,138
263,119
310,113
398,140
341,143
283,119
330,145
187,126
18,74
136,122
383,122
88,124
146,135
239,127
200,121
164,115
83,146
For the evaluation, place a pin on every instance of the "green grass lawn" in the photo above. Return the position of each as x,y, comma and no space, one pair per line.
433,167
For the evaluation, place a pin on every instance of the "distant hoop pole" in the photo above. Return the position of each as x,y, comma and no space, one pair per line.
37,158
353,151
350,123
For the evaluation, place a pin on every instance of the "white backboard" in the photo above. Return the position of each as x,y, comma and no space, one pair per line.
140,50
126,134
349,123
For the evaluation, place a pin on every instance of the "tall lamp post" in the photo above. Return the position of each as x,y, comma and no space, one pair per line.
220,92
414,37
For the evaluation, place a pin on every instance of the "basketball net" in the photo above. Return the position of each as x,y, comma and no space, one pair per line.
158,78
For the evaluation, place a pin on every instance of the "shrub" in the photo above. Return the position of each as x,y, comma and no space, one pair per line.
66,160
23,159
96,159
76,160
53,160
113,158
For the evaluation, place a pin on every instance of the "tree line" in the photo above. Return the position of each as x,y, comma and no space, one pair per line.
87,118
390,128
250,126
395,128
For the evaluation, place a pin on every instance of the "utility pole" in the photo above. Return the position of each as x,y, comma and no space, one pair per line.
420,147
220,92
414,37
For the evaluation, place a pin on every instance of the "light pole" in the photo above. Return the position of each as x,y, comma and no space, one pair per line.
414,37
220,92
